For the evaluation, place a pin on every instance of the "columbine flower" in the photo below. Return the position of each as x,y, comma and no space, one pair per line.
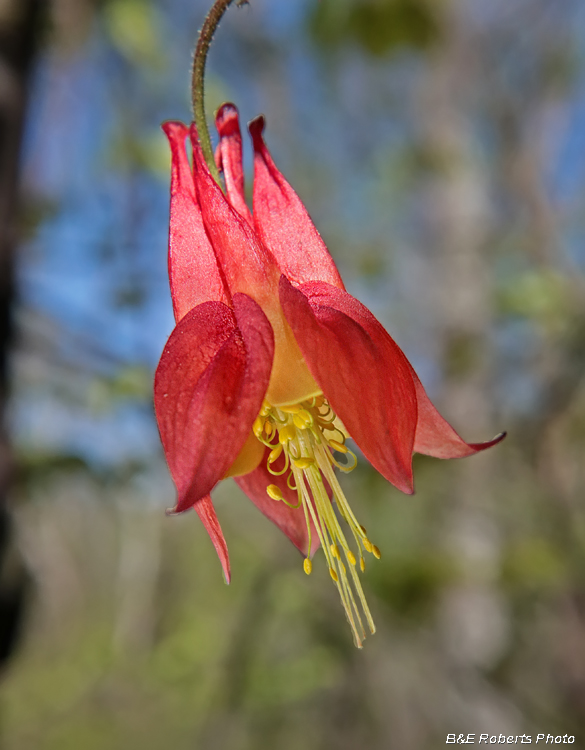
273,365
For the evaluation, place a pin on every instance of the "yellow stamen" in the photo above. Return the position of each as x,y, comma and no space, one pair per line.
376,552
258,427
286,434
274,492
274,454
302,420
309,467
362,564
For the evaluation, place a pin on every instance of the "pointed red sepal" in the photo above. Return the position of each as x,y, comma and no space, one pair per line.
435,436
362,372
246,264
208,389
230,161
206,512
193,269
282,221
291,521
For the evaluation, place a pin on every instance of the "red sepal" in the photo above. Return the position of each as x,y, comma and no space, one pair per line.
291,521
362,372
193,269
206,512
230,158
435,436
246,264
282,221
208,389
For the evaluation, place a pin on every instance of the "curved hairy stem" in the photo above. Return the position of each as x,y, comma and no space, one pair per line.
198,75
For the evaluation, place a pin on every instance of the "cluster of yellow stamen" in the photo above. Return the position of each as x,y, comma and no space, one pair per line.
309,435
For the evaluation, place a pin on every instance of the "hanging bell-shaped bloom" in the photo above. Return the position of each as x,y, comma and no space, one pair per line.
272,365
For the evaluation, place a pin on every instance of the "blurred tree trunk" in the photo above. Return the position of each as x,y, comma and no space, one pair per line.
473,617
19,24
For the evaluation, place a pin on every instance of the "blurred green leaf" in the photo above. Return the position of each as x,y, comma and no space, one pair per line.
133,28
378,26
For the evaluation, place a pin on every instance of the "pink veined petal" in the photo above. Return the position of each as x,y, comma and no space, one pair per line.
362,372
194,273
246,264
230,152
206,512
435,436
291,521
282,221
208,389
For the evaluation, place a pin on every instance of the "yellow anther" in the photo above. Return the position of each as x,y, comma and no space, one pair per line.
362,564
364,532
304,462
274,492
303,419
285,434
268,428
274,454
258,427
293,409
367,544
265,410
308,566
376,552
333,575
350,557
339,447
335,551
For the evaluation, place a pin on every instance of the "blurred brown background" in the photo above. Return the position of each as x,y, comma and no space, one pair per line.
439,148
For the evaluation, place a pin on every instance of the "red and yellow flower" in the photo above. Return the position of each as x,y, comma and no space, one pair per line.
272,365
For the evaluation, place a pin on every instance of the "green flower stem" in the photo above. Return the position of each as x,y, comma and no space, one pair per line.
198,75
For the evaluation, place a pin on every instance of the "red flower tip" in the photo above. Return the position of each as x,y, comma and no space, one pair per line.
256,128
226,120
229,158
